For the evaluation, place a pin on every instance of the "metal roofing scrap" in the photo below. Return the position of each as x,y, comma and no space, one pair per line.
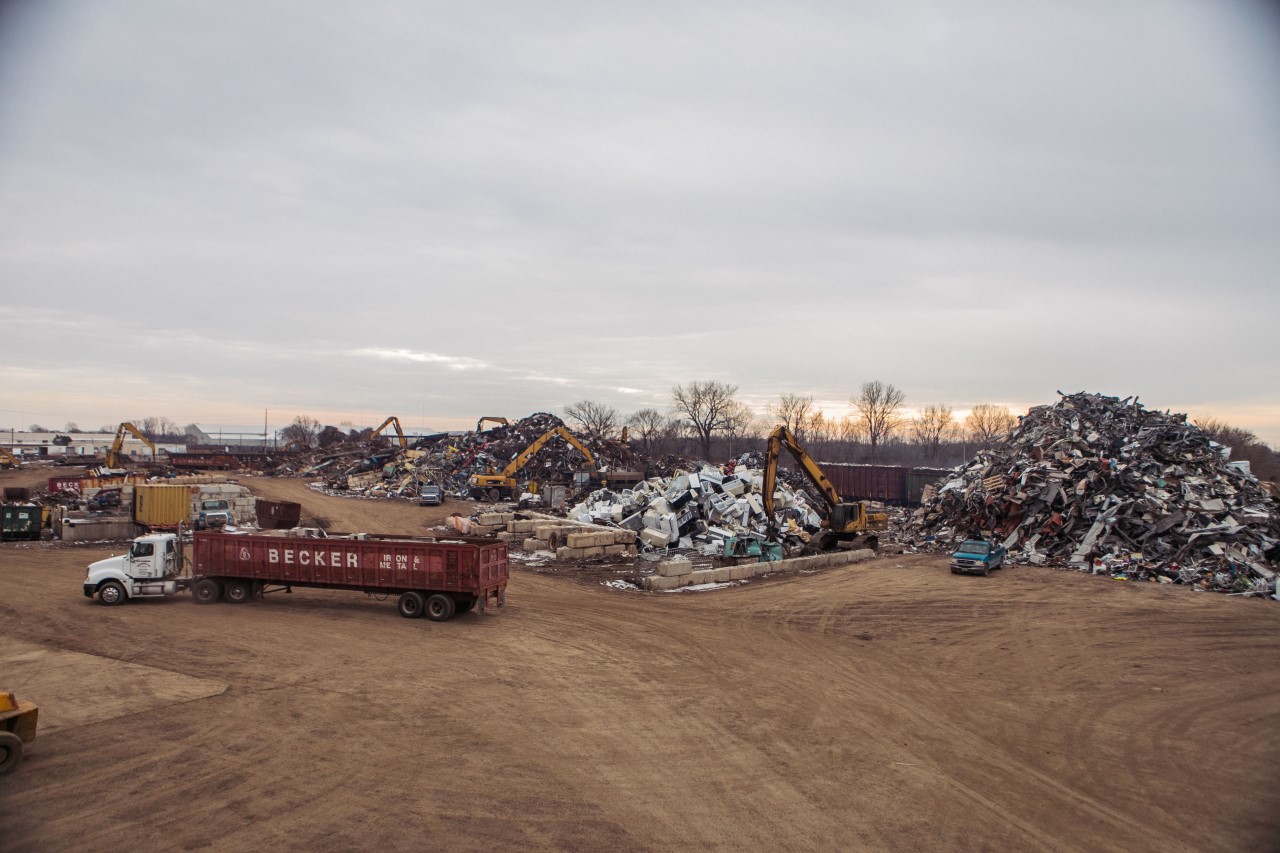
1103,484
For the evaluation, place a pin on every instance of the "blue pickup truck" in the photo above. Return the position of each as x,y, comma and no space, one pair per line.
977,556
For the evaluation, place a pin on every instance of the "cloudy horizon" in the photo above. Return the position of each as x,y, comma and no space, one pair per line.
444,211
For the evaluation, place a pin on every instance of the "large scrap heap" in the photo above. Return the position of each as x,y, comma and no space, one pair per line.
449,460
1103,484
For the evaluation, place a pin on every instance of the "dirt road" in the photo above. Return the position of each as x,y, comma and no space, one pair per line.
885,706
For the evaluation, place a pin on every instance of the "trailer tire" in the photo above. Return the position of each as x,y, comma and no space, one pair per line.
463,604
10,752
111,593
206,591
439,607
237,592
411,605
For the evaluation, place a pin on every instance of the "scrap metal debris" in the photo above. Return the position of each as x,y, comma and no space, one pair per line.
702,508
1104,485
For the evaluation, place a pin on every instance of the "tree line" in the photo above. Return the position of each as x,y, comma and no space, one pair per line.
705,419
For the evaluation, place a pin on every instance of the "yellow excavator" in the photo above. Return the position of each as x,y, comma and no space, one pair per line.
8,458
850,525
113,455
395,422
492,420
503,486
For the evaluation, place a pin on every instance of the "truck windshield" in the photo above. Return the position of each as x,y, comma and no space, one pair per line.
142,549
974,547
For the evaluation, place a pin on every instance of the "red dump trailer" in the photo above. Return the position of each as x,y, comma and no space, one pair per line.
435,578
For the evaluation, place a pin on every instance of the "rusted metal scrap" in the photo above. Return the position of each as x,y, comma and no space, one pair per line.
1105,485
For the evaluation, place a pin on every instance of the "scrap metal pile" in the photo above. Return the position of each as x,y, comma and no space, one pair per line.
449,461
1104,485
701,508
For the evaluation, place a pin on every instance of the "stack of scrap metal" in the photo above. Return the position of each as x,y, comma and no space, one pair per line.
701,508
1104,485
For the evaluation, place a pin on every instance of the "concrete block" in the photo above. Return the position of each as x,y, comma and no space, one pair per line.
675,568
699,577
597,551
533,544
566,553
614,550
624,537
742,572
721,575
658,583
521,526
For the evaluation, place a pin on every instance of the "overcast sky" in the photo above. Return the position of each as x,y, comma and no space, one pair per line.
448,210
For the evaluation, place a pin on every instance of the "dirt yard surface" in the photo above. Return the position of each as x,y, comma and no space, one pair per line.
884,706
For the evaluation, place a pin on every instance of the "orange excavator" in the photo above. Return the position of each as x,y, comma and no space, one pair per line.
845,525
113,455
503,485
395,422
492,420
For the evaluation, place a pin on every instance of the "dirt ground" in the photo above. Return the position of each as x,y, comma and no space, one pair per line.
883,706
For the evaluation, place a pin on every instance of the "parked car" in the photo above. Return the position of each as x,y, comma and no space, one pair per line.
978,557
431,496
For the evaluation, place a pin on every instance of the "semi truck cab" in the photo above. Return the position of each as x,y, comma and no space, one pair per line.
150,569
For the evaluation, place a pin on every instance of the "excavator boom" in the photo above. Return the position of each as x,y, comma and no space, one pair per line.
489,419
843,520
395,422
113,455
494,485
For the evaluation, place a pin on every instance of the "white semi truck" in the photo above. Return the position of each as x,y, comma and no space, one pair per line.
152,568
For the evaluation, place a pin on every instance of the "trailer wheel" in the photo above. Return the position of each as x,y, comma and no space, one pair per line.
411,605
439,607
463,604
206,591
10,752
111,593
237,592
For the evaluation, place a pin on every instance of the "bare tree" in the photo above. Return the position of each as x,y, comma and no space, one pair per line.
38,428
986,422
931,427
707,407
595,419
741,423
330,436
1224,433
304,430
879,407
647,426
796,413
156,426
71,426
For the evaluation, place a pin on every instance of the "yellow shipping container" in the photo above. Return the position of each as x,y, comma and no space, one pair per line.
161,506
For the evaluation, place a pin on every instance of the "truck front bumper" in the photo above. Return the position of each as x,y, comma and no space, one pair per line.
89,590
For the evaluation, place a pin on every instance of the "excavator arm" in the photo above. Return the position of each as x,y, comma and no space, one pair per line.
395,422
529,452
492,420
842,519
113,455
6,456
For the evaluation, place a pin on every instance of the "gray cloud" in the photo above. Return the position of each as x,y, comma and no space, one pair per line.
447,207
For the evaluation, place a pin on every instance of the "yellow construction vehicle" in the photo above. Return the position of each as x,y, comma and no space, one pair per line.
503,486
488,419
846,525
395,422
17,727
8,458
113,455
